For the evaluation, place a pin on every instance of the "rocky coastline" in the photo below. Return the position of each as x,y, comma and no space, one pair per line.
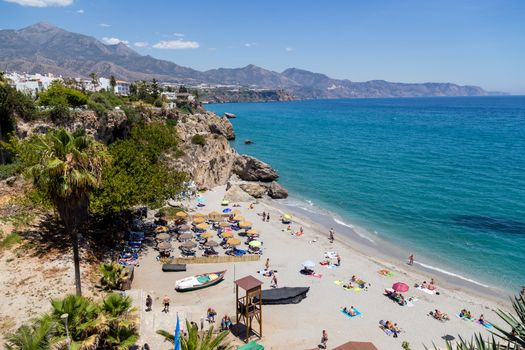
209,164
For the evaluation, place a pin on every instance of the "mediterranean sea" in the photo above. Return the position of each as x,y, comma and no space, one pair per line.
443,178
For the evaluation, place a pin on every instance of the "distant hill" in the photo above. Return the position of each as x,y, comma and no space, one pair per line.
43,48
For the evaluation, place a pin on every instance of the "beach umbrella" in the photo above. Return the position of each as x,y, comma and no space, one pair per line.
235,211
255,244
238,218
226,210
400,287
183,228
181,214
160,229
287,217
185,236
198,220
207,235
309,264
202,226
200,199
188,244
227,235
233,242
224,224
162,237
251,232
245,224
225,202
164,245
211,243
215,216
198,215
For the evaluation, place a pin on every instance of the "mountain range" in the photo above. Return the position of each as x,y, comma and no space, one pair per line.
45,48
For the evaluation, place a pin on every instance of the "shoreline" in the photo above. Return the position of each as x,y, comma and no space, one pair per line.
388,252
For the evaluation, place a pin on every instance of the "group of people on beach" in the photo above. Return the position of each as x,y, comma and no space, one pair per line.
266,216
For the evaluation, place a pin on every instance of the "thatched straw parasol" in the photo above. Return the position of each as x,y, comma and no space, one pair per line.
227,234
160,229
183,228
245,224
202,226
252,232
188,245
185,236
164,245
162,237
198,220
211,243
181,214
238,218
235,212
224,224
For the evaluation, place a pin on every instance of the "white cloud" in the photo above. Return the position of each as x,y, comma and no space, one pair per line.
141,44
81,11
41,3
105,25
113,41
250,44
289,49
180,35
177,45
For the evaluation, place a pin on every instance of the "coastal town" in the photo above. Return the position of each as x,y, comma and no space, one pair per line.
262,175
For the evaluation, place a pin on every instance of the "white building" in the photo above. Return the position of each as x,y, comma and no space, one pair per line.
31,83
122,88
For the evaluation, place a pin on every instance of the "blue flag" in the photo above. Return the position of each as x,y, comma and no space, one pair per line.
176,336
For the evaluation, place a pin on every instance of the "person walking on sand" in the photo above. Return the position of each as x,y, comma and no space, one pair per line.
149,303
267,264
264,215
324,339
273,284
411,259
338,260
268,217
166,302
331,237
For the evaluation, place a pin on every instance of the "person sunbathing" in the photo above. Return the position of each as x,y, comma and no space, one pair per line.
465,313
354,278
481,320
351,311
438,315
349,285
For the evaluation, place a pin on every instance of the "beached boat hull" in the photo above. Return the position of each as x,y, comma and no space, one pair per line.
285,295
190,283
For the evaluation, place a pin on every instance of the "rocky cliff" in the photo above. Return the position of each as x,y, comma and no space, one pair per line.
209,163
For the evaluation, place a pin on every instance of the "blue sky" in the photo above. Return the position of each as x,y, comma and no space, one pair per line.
476,42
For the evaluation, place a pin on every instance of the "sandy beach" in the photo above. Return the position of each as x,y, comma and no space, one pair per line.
299,326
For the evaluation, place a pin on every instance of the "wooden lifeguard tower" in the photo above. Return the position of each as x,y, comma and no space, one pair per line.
246,308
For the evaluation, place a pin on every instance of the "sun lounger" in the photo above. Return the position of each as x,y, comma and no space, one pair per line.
357,313
173,267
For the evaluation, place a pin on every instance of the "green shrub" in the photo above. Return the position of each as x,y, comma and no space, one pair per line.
198,139
10,240
171,122
11,169
59,94
99,108
158,103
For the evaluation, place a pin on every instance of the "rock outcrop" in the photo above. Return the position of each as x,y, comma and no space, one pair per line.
209,165
276,191
254,189
252,169
105,128
223,127
236,194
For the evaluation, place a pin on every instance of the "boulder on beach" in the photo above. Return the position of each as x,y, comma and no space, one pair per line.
276,191
254,189
252,169
236,194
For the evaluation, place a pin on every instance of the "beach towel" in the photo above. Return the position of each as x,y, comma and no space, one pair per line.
339,282
428,291
331,266
386,273
357,313
330,255
464,318
484,324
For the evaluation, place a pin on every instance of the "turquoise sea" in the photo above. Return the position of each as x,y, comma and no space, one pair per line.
443,178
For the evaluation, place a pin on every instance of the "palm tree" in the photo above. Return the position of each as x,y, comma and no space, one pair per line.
121,319
66,167
94,79
195,341
86,323
113,274
36,336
